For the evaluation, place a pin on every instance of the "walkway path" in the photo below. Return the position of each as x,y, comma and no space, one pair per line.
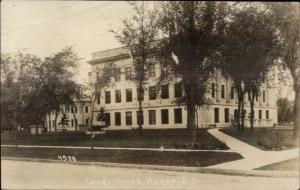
253,157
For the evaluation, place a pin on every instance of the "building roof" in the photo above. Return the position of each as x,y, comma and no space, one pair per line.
109,55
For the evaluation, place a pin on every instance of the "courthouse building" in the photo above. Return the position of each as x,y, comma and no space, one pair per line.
160,110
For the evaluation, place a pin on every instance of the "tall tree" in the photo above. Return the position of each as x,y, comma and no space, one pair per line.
139,36
103,79
287,17
64,121
192,32
39,86
248,52
55,82
285,110
17,81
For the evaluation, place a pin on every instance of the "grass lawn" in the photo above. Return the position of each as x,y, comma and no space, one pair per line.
265,138
288,165
195,159
151,138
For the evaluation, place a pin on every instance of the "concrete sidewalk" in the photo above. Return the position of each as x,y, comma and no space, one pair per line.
116,148
253,157
203,170
58,175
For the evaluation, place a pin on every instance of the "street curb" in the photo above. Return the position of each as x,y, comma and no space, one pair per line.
203,170
118,148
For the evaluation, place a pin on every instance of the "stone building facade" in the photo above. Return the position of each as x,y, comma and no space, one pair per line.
121,106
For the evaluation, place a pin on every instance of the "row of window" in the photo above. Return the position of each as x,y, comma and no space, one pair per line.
165,93
129,76
67,110
129,73
213,90
140,117
217,117
152,93
73,110
164,117
260,114
226,114
74,122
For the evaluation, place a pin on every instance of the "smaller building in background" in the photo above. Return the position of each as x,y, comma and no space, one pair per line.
37,129
75,118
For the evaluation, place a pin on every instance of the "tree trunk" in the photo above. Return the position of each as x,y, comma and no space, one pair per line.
240,109
10,119
15,128
140,108
14,119
297,114
197,119
55,121
238,118
191,122
296,78
191,110
37,130
243,114
91,121
252,110
74,117
50,122
296,110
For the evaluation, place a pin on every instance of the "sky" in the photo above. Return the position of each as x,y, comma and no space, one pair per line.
46,27
43,28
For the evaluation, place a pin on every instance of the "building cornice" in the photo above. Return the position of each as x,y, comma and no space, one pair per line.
110,59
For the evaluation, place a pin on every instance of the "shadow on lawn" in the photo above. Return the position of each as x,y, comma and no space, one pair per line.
151,138
270,138
167,158
287,165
